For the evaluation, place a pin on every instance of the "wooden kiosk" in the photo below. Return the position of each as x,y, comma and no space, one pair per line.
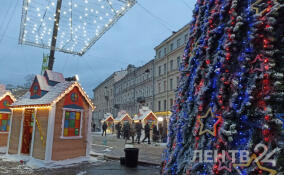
6,99
146,115
52,121
108,118
122,117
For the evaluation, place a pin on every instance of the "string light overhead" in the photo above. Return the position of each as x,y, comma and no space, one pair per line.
81,24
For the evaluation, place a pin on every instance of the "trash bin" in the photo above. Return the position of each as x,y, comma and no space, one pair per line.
131,157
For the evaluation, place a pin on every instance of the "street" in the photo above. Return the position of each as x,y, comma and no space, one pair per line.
110,146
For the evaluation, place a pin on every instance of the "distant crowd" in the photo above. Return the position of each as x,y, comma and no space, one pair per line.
129,130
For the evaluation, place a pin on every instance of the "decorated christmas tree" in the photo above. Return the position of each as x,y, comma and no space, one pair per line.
228,113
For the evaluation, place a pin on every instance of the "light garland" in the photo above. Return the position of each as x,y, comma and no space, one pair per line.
80,25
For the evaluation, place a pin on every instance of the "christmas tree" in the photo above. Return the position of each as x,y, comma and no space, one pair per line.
228,113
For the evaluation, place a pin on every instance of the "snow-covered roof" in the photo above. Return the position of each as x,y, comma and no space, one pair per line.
47,99
121,116
55,76
42,83
143,113
107,116
54,93
4,93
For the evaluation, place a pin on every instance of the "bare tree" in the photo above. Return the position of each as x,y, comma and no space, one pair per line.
29,80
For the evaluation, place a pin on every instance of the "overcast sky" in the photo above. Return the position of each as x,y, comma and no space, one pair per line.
130,41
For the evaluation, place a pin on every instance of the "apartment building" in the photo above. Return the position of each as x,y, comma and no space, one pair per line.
168,58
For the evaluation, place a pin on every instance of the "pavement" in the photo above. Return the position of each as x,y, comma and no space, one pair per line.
111,147
107,151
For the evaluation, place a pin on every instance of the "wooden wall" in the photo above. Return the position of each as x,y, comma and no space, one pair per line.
15,131
69,148
39,148
3,139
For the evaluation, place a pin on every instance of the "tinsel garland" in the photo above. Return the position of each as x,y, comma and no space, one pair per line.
229,68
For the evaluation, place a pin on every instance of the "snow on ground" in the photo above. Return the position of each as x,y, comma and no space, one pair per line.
3,150
32,163
82,173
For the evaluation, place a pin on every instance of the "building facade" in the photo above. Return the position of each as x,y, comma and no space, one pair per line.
104,96
135,89
169,55
153,85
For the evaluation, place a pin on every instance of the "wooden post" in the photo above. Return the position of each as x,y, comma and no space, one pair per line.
54,35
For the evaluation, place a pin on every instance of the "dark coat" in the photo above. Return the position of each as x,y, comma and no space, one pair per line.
104,126
138,128
147,129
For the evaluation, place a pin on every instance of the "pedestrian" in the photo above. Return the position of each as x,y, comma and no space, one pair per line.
132,131
138,131
155,133
118,128
104,127
94,127
112,128
147,133
161,132
126,130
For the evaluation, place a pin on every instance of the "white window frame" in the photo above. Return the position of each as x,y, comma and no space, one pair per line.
63,121
7,132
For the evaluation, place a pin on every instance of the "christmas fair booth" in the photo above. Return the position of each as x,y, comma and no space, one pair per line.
108,118
52,121
146,115
123,117
6,99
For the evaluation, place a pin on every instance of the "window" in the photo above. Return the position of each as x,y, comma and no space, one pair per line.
178,43
159,54
177,81
159,87
4,122
35,89
165,85
165,51
171,102
165,68
160,70
178,62
171,65
172,46
185,38
159,105
72,120
165,105
171,84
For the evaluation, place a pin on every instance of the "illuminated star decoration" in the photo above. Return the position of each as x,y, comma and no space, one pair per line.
262,67
220,167
214,132
260,10
281,117
253,157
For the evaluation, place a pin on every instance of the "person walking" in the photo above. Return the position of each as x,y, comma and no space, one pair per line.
94,127
155,133
132,131
112,128
118,128
138,131
126,130
104,127
147,133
